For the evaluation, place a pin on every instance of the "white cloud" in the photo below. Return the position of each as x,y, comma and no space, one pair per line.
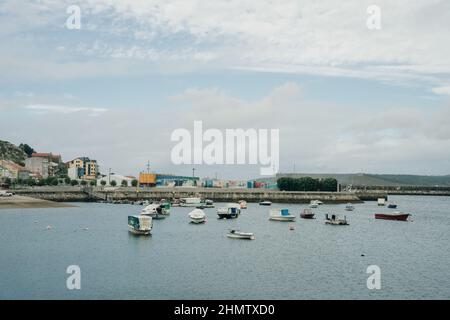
44,109
441,90
279,36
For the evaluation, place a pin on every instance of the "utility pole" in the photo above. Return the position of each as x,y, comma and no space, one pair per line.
109,176
148,166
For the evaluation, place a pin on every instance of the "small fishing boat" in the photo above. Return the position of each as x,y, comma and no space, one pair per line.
140,224
381,201
154,210
307,214
197,216
349,207
206,204
231,211
313,205
398,216
243,204
281,215
190,202
236,234
392,206
265,203
165,205
335,220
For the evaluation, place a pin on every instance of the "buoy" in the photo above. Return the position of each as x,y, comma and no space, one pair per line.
49,227
291,227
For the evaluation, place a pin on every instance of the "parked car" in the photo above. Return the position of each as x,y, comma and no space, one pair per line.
4,193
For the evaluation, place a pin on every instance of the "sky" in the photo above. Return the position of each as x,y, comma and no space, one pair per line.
345,97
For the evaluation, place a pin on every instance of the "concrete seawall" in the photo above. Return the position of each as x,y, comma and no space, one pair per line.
219,195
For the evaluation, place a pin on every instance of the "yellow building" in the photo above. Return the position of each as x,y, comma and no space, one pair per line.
147,179
83,168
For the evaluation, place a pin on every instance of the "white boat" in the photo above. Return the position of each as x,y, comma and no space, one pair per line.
154,210
381,201
231,211
140,224
243,204
265,203
281,215
313,205
197,216
206,204
349,207
317,202
334,220
190,202
236,234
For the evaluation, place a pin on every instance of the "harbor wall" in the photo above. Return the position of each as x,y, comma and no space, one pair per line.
69,194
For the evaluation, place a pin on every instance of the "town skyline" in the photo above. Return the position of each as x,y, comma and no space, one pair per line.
345,98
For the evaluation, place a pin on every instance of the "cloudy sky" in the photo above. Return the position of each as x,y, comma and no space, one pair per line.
345,98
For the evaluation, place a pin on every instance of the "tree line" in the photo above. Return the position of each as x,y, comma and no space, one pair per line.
307,184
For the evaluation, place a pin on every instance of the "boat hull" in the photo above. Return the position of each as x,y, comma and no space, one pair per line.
307,215
239,236
198,220
392,206
337,222
139,232
396,217
227,216
282,218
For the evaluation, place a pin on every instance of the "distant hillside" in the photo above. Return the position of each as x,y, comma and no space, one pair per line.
364,179
9,151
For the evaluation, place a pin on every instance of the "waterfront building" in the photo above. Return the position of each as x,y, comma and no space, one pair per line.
82,168
44,164
9,169
168,180
115,177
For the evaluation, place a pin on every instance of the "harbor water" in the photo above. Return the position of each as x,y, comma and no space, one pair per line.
187,261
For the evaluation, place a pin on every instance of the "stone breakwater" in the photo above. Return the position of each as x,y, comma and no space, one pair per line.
218,195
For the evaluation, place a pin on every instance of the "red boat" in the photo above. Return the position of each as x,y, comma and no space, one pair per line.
307,214
392,216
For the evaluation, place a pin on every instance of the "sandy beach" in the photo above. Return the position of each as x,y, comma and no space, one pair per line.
21,202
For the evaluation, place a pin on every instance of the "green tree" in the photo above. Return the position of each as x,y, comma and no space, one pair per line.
27,149
67,180
74,182
54,182
134,183
31,182
113,183
103,183
124,183
83,182
93,183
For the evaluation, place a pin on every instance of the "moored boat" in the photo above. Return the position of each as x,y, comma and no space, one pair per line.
206,204
197,216
140,224
190,202
381,201
231,211
392,206
154,210
334,220
398,216
243,204
236,234
281,215
265,203
307,214
349,207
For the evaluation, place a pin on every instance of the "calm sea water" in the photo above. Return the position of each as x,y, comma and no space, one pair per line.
185,261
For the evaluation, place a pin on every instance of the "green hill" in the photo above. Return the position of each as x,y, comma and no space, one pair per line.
364,179
9,151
